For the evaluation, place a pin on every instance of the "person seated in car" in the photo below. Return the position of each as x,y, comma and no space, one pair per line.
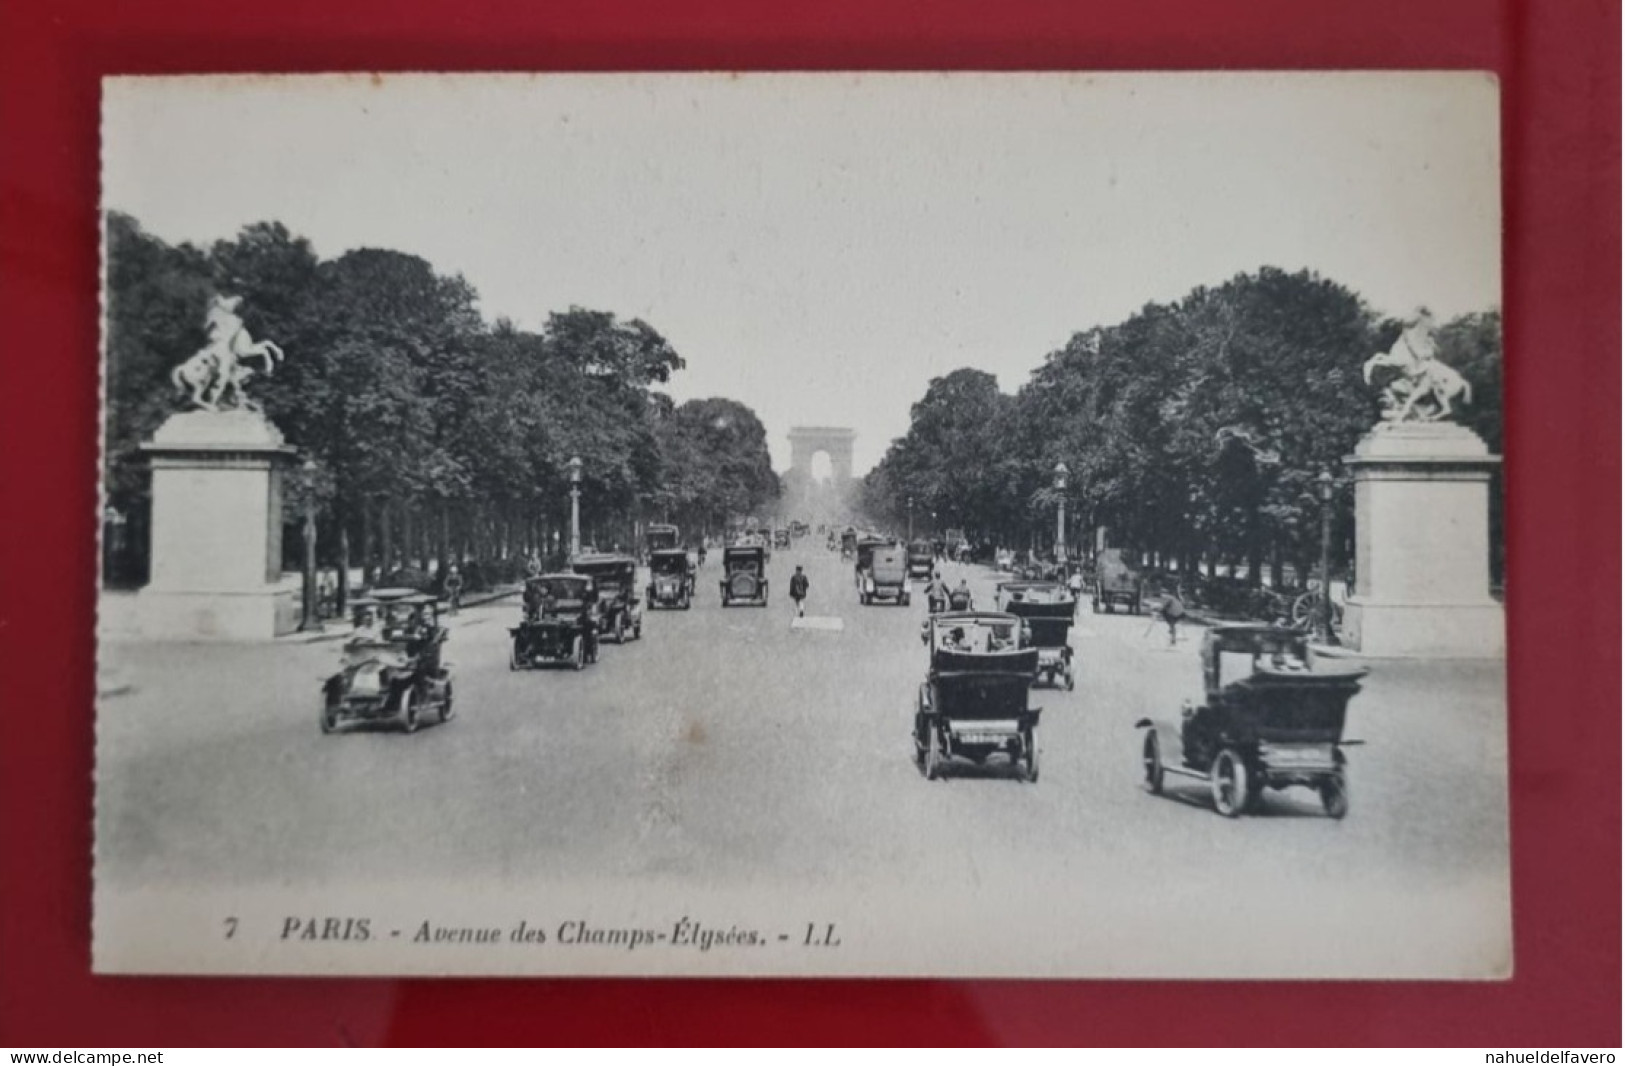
955,640
367,629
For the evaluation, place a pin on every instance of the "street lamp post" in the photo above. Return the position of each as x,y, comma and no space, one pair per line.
1325,483
575,506
911,519
310,618
1060,512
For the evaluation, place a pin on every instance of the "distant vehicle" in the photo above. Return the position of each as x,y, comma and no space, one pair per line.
620,610
1046,609
391,668
660,537
763,536
781,538
744,575
1271,718
1117,582
560,623
885,578
671,579
921,558
867,545
849,543
973,702
799,528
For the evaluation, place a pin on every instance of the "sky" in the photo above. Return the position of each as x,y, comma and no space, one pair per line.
820,247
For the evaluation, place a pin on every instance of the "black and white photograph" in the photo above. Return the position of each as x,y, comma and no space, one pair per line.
823,524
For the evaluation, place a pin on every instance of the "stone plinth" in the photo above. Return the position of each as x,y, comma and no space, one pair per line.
216,529
1422,551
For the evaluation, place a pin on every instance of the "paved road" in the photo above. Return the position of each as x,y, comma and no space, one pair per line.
727,748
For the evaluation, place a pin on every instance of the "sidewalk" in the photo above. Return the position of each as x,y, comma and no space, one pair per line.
340,628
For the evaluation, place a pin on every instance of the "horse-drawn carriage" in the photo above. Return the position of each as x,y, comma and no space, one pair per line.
744,575
973,702
392,669
1046,609
1273,717
560,623
671,579
620,610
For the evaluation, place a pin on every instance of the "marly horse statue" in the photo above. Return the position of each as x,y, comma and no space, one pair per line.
1425,387
219,369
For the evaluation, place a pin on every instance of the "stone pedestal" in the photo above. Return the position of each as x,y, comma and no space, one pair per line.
216,530
1421,518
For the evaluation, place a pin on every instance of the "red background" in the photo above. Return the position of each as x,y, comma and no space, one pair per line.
1559,69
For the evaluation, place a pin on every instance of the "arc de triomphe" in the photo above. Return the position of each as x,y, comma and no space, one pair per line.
833,441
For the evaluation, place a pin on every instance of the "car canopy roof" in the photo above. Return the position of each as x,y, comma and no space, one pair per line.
601,563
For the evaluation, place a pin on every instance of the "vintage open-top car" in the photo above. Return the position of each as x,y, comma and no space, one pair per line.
671,579
1046,609
973,702
560,623
744,575
392,669
921,559
1273,717
1117,582
620,611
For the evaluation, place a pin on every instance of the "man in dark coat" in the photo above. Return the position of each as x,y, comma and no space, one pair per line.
798,591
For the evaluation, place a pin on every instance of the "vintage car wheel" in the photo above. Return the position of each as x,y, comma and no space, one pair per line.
409,709
620,629
1151,760
514,661
1228,780
933,753
904,600
446,710
1069,679
1030,747
1334,796
579,654
1094,604
330,717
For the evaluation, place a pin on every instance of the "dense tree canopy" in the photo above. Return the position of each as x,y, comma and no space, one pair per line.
434,432
1196,429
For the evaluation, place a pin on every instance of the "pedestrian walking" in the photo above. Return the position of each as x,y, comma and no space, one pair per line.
454,588
798,591
1171,611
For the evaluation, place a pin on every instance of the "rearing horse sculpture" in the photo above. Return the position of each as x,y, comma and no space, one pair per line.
219,369
1425,387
